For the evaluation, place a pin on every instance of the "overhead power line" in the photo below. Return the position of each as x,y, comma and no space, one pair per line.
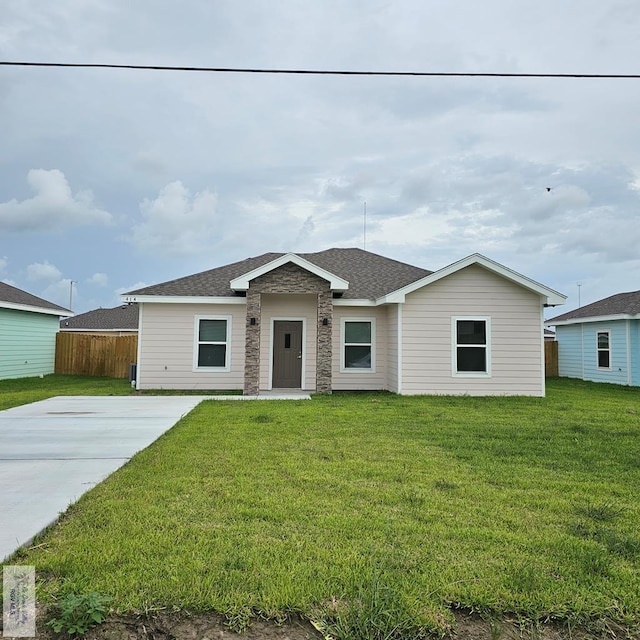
320,72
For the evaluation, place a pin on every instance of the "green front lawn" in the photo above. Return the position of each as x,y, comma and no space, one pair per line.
25,390
355,510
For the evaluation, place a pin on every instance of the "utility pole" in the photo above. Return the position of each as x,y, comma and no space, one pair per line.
364,228
71,283
579,285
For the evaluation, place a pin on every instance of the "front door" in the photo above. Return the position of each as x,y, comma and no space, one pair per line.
287,354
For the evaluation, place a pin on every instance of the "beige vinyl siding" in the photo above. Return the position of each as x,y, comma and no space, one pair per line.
289,307
392,348
167,347
357,381
516,326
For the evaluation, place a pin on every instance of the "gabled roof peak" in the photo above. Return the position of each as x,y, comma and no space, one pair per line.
336,283
550,296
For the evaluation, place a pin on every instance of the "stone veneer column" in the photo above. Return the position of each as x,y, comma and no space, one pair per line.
252,345
324,345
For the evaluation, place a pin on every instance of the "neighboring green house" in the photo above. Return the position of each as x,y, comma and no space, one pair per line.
600,342
28,327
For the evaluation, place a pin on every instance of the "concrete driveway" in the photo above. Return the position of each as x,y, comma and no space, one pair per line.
53,451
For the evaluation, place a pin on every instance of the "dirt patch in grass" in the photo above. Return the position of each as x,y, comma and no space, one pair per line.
474,627
184,626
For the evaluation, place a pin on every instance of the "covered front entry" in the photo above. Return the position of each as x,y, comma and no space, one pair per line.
287,354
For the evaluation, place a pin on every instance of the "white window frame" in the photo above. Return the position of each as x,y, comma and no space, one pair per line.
197,343
598,349
454,347
343,344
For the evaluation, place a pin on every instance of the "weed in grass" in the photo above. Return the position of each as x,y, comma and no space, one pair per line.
78,613
445,485
578,428
238,618
495,628
580,530
377,611
530,629
262,418
603,512
413,498
236,564
626,546
616,542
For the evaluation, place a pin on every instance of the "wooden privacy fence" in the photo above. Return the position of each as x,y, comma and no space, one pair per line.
551,358
93,355
110,356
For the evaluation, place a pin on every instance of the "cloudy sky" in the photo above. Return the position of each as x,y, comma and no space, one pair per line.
114,179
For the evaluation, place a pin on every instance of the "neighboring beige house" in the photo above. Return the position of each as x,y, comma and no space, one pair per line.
116,321
345,319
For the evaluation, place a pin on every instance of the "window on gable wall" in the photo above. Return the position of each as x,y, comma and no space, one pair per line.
471,346
604,349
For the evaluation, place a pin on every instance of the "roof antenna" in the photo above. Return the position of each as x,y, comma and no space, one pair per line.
71,283
579,284
364,227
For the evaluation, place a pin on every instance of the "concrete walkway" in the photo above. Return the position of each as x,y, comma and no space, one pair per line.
53,451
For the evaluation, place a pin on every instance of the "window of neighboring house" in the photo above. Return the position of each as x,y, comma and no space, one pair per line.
604,349
471,346
212,343
358,339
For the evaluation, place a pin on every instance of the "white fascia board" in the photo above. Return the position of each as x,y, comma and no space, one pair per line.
183,299
356,302
61,313
611,318
551,297
241,283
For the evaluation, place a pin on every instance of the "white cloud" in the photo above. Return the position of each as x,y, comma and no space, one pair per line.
447,166
177,222
60,293
99,279
54,205
4,261
43,271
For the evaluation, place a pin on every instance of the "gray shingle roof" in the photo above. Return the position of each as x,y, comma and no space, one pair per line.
619,304
123,317
13,295
370,275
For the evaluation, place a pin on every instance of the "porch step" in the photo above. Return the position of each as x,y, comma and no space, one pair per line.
273,394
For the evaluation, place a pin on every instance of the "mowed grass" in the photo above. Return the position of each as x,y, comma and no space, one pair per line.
21,391
352,509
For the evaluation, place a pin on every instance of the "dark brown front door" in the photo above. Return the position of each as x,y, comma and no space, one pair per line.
287,354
